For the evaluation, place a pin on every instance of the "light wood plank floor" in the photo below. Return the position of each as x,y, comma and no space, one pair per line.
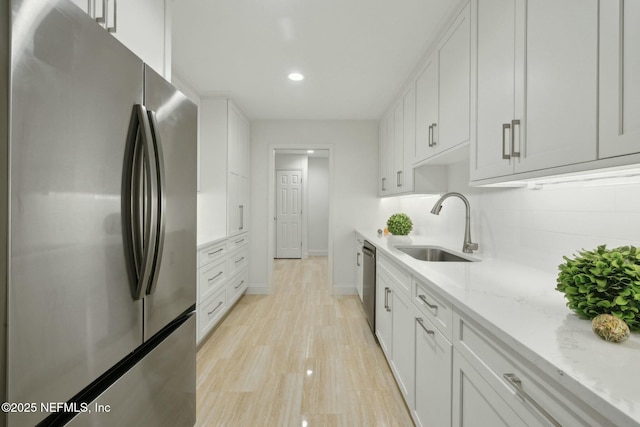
297,357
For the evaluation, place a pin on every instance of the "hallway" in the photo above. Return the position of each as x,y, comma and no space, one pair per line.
297,357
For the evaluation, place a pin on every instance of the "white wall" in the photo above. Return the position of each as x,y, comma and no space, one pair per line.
533,227
318,218
354,201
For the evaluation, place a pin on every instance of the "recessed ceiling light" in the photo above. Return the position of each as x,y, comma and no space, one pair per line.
296,77
310,151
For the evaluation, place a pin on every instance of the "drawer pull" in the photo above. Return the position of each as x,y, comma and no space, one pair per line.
238,260
516,383
215,252
421,322
237,242
386,299
423,299
238,285
213,311
215,277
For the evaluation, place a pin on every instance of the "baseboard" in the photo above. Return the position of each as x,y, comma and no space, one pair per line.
257,290
318,252
344,290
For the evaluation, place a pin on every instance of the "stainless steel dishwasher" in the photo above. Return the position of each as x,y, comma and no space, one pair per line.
369,284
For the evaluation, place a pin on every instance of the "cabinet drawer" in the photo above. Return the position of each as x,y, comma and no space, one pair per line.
211,253
535,397
399,276
210,278
237,285
238,241
434,307
237,261
210,311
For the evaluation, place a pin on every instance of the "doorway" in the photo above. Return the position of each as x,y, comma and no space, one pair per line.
288,214
300,203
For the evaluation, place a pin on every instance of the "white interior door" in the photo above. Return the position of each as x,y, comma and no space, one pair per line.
289,214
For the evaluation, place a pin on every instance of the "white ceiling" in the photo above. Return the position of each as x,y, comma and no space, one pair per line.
355,54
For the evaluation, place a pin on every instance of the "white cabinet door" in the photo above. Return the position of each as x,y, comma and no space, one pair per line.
403,343
619,78
233,203
234,156
383,183
359,266
243,148
426,111
433,375
474,402
454,79
383,313
409,142
559,122
494,38
398,146
140,25
536,67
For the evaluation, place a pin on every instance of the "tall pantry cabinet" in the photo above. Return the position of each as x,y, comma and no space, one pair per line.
224,200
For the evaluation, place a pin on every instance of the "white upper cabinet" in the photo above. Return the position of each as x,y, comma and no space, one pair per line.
619,78
536,65
427,110
443,93
138,24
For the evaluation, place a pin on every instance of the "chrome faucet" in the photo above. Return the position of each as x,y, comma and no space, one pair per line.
468,246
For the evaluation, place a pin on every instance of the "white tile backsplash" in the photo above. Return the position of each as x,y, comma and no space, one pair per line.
534,227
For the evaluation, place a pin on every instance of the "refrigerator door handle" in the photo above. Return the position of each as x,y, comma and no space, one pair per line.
159,202
139,214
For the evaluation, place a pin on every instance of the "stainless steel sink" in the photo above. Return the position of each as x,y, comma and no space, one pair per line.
432,254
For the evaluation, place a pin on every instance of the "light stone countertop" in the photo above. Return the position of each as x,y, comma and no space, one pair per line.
520,306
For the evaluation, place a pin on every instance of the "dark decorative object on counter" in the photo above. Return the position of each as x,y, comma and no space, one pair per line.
603,281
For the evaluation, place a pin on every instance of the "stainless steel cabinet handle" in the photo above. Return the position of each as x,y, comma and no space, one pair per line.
421,322
383,181
386,299
113,28
238,285
516,383
387,296
433,135
399,178
100,19
241,213
213,311
358,259
240,259
215,277
237,242
505,127
215,252
514,123
423,299
430,138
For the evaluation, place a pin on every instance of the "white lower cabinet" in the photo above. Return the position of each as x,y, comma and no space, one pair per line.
454,372
403,342
384,306
223,275
432,374
491,382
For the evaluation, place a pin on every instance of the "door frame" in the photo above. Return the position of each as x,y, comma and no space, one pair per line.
271,229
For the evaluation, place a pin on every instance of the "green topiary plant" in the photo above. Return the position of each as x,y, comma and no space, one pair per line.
603,281
399,224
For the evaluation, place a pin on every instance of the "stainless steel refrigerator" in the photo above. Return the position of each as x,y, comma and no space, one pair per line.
98,227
